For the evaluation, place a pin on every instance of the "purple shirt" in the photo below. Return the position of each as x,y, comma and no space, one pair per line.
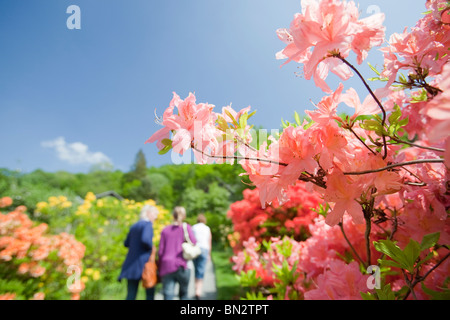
170,254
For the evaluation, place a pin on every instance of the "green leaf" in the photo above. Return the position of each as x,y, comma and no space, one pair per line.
232,118
223,125
390,249
251,114
403,122
412,253
166,142
395,115
423,97
374,69
436,295
385,293
165,149
243,121
429,240
389,263
373,125
297,118
428,257
368,296
249,279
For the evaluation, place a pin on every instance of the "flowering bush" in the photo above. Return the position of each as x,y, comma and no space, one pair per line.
31,256
292,218
102,226
383,170
36,265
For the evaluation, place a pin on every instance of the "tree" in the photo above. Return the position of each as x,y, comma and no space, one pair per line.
136,184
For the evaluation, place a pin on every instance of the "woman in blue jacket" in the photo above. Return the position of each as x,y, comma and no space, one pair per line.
139,242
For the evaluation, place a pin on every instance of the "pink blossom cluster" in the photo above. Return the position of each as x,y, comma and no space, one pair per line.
383,171
326,264
292,218
329,26
322,274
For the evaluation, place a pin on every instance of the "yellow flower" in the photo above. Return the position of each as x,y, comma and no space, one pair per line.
127,216
100,203
41,205
90,196
86,206
66,204
84,279
89,271
104,258
96,275
100,230
41,284
106,223
62,199
53,201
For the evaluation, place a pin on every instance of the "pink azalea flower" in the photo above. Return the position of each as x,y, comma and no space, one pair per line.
447,153
340,281
439,108
425,46
344,194
325,26
327,108
368,107
194,123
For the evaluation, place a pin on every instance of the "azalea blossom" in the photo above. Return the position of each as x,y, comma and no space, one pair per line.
193,124
340,282
326,26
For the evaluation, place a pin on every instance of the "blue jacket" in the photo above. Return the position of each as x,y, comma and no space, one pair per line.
139,243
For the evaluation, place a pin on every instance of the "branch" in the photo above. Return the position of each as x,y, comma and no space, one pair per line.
359,138
422,278
410,286
368,212
407,163
416,145
239,158
350,245
383,122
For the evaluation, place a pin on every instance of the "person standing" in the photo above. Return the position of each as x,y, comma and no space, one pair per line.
171,264
139,242
204,240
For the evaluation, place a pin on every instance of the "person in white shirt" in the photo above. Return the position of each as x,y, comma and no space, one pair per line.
204,239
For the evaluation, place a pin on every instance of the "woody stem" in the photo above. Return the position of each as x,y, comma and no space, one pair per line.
373,96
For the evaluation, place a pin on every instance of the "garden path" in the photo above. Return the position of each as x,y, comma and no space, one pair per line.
209,284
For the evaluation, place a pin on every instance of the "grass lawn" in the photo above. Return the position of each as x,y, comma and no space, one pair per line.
228,287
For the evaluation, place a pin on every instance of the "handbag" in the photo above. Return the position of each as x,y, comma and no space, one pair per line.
190,250
150,272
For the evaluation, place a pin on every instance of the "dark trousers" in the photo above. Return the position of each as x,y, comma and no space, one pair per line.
182,277
133,286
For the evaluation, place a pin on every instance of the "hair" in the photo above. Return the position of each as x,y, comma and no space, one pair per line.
179,213
201,218
145,211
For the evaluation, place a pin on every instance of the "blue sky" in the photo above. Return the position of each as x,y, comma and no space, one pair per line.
72,98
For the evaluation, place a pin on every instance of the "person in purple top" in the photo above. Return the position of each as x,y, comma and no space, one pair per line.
139,242
172,267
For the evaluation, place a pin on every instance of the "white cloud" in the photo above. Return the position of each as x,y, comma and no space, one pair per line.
76,153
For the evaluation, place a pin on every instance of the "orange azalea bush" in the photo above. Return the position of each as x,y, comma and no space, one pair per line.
34,264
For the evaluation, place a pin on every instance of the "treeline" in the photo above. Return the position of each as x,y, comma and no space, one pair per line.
199,188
